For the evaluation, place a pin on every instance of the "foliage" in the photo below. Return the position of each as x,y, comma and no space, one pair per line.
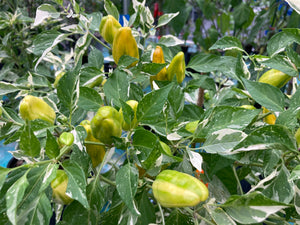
251,167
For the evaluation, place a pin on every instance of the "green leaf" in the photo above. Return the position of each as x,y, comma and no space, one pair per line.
126,60
35,204
153,68
166,18
170,40
80,157
295,174
14,196
148,144
223,117
223,141
280,188
265,94
283,39
42,210
127,182
66,89
95,58
29,142
268,137
48,173
3,175
202,81
89,99
51,148
76,214
95,197
96,20
111,9
176,101
116,87
128,113
6,88
147,210
220,216
251,208
205,63
192,112
81,47
283,64
151,106
44,12
43,41
224,22
76,188
178,218
112,216
227,43
90,76
181,6
135,92
243,15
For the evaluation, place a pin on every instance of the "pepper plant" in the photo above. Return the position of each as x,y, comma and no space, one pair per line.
213,158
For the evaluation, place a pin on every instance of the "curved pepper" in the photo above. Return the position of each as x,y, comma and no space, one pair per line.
96,152
32,108
177,67
275,78
175,189
158,57
124,44
106,123
108,28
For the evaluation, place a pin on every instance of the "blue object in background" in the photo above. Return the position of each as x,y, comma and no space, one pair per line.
121,19
5,156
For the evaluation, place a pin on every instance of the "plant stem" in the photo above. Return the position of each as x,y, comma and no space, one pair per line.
200,217
107,180
162,214
63,151
10,119
237,179
93,143
93,36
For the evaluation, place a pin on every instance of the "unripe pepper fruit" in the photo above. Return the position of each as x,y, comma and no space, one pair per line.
108,28
275,77
96,152
124,44
66,138
59,187
175,189
297,136
106,123
177,67
133,104
32,108
278,79
158,57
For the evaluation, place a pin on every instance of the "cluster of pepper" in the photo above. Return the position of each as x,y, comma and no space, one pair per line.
170,188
